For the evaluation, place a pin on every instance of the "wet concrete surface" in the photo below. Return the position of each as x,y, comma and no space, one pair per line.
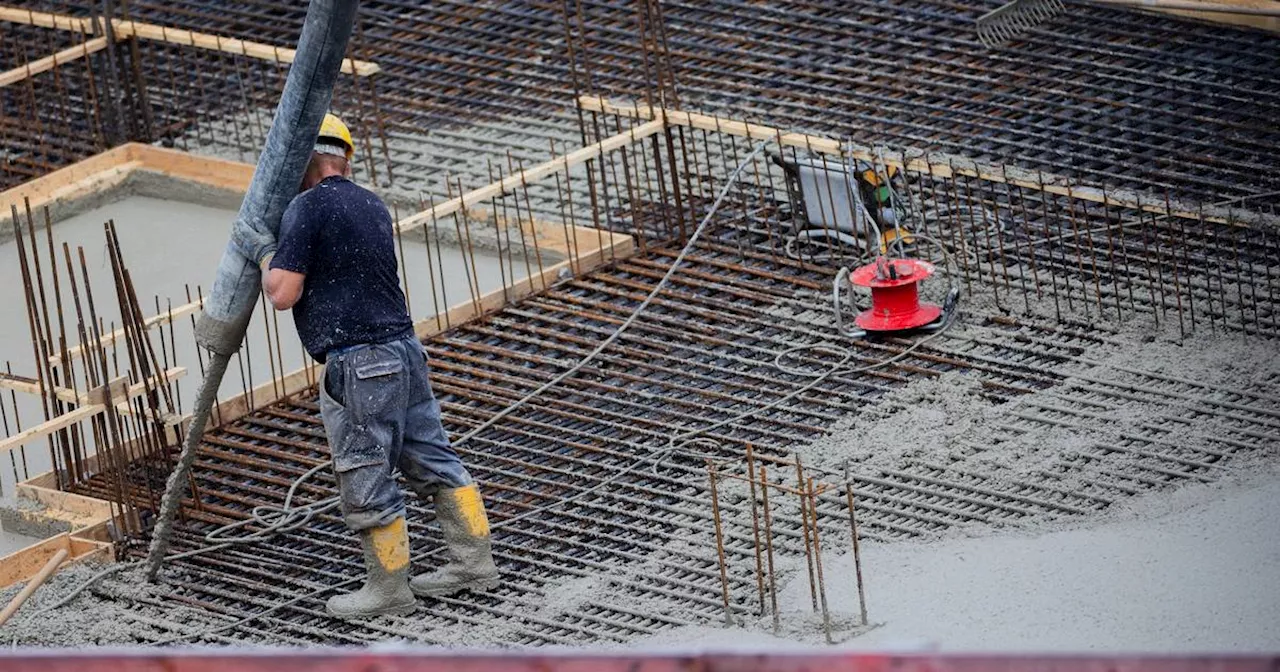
10,542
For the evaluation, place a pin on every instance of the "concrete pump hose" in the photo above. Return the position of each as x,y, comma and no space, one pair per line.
237,285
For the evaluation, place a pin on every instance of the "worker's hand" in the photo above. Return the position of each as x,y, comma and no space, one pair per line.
253,244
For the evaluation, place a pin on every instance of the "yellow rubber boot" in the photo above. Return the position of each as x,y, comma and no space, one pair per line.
386,590
466,536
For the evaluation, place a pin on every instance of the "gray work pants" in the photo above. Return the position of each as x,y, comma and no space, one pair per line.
380,415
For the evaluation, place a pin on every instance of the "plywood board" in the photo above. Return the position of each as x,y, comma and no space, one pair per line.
1267,23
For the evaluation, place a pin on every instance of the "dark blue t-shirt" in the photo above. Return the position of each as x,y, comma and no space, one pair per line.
340,235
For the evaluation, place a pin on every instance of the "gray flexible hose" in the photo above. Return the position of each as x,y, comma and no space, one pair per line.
308,91
177,483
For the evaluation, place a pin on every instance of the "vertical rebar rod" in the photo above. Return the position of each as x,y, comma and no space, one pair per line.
108,452
755,525
427,235
724,573
857,554
565,194
444,289
468,268
404,268
808,542
32,322
812,495
768,538
266,325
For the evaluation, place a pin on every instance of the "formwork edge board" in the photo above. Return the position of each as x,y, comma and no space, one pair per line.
50,426
92,397
51,61
88,409
176,36
531,174
1267,23
23,564
46,19
107,169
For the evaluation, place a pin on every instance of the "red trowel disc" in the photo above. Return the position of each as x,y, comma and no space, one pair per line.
895,302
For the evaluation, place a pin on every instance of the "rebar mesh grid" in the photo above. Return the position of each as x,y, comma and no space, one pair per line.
1094,94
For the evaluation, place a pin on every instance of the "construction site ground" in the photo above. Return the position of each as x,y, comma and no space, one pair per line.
1185,571
995,473
1087,457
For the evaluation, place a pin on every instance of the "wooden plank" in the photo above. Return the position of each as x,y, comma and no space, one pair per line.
229,45
940,165
1261,22
22,565
46,19
177,36
114,389
103,171
27,385
96,173
706,122
205,170
119,391
139,388
33,585
533,174
78,511
151,322
49,62
84,412
45,428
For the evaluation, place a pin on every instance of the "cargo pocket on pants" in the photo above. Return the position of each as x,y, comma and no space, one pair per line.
351,444
374,381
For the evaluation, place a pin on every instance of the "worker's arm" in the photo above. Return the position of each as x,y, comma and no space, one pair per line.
284,268
283,287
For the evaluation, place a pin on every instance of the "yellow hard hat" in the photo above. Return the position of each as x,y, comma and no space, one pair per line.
332,128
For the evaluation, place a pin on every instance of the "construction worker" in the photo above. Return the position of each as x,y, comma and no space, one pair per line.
335,267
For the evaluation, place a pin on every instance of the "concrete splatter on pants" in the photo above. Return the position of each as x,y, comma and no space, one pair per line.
380,415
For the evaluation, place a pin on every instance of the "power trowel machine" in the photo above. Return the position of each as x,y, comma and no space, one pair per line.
853,205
